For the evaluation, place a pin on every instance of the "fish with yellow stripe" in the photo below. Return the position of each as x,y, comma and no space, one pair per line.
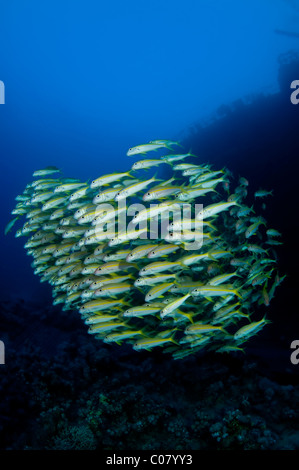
167,277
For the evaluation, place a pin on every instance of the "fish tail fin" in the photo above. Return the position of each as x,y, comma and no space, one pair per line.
177,280
165,183
133,265
119,308
123,302
183,266
211,256
155,177
265,320
191,154
169,145
209,224
245,315
174,341
172,338
187,315
177,143
224,331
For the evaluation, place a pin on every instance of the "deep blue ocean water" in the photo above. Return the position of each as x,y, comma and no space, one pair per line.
83,84
84,81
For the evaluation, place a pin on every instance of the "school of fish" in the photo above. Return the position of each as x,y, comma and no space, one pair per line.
181,263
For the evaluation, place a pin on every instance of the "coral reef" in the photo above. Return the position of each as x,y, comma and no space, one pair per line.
83,394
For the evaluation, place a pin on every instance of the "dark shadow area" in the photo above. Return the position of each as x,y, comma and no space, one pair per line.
259,140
